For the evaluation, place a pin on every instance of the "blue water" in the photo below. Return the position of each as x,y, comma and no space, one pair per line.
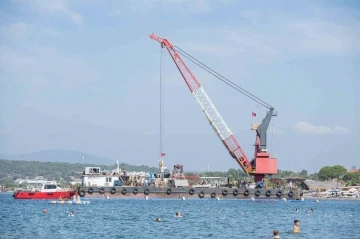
202,218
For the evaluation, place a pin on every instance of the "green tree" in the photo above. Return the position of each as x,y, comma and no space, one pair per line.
332,172
303,173
353,177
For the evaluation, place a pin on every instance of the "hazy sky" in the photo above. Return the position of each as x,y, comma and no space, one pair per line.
83,75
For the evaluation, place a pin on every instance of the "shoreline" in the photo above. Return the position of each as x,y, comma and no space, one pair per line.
325,198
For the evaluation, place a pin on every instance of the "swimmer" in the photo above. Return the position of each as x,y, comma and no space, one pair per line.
45,210
311,210
296,209
296,227
158,219
276,234
178,214
71,214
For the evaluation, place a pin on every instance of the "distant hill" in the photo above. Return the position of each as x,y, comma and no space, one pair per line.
61,155
13,169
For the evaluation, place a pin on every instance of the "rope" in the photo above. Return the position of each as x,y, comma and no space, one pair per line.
161,101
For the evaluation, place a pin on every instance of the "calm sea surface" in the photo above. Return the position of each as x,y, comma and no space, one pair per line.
205,218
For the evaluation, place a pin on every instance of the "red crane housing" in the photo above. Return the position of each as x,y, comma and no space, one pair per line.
262,164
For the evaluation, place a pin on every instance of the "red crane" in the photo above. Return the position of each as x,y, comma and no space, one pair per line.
262,164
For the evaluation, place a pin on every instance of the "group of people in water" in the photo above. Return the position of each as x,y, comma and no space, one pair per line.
71,214
296,229
310,211
296,226
177,214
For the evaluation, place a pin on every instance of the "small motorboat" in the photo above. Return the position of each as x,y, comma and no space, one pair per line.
47,191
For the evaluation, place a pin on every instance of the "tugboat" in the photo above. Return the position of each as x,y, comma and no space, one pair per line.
47,191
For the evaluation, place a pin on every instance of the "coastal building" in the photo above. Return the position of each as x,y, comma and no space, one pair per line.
37,181
319,185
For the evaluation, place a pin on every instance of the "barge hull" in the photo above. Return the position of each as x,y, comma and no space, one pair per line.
152,192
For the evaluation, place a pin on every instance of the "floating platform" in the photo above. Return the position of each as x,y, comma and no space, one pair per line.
69,202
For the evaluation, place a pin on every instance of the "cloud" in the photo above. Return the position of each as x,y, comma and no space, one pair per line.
19,29
144,7
28,57
55,7
251,14
308,128
276,130
274,35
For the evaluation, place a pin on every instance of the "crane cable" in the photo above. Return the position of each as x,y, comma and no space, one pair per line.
162,82
223,79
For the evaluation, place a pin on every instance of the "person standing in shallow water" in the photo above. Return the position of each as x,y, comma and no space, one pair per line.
296,227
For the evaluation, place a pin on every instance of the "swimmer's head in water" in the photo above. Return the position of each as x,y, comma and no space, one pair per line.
158,219
276,232
296,222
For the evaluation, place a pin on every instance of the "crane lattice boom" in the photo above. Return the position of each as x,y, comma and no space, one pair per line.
209,109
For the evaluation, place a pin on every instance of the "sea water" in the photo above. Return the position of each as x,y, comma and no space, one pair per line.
202,218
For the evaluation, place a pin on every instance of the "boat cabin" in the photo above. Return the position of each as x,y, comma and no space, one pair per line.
50,187
94,177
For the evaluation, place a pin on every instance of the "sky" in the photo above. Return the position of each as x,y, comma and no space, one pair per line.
84,76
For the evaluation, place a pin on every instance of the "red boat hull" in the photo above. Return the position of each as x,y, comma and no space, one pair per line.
43,195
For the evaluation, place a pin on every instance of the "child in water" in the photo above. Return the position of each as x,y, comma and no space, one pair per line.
296,227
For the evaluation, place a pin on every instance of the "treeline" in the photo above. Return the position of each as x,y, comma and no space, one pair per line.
11,170
327,173
235,174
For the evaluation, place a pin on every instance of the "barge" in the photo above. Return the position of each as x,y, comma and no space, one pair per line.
120,184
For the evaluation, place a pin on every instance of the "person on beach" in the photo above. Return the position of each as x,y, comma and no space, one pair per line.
296,227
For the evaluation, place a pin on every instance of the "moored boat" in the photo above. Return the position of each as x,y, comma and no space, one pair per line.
47,191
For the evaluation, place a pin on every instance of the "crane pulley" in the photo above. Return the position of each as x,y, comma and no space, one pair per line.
262,163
